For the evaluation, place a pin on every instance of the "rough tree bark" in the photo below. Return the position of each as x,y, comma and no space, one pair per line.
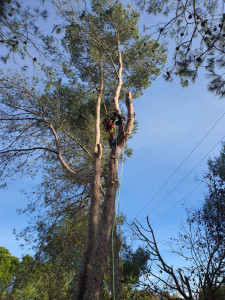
100,253
94,205
115,270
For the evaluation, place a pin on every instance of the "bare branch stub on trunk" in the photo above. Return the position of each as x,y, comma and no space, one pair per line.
125,131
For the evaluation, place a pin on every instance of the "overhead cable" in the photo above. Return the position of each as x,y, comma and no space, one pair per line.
182,180
179,166
178,202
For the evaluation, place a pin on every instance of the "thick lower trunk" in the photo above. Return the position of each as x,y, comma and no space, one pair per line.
91,232
100,253
99,257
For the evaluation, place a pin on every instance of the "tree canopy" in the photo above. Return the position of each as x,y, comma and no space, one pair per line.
198,29
8,265
51,119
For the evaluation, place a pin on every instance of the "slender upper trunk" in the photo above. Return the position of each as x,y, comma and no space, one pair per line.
100,253
119,82
94,206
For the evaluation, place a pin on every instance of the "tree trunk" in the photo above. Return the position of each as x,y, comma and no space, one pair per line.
91,236
100,253
102,245
93,209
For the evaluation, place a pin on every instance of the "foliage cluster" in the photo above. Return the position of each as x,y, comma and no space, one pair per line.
53,277
198,28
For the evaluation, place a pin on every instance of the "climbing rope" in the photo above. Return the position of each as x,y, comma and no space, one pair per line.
114,222
105,105
111,119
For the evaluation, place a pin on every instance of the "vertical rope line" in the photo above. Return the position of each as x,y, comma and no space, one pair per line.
121,243
104,105
121,257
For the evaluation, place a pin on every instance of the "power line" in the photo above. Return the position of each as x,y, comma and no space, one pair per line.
182,180
175,171
176,203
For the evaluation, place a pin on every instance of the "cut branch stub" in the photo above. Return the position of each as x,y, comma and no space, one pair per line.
124,133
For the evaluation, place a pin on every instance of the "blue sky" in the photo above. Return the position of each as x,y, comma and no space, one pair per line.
11,200
172,120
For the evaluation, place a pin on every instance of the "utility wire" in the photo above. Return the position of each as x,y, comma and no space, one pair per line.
175,171
176,204
182,180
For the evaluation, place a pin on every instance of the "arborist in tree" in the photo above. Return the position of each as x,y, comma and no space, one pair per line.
113,118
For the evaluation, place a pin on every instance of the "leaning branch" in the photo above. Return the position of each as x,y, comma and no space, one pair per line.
72,138
29,149
63,163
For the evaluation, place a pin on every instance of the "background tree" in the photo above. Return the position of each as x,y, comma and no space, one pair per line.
19,30
47,280
201,246
217,165
54,274
8,265
134,264
214,207
199,31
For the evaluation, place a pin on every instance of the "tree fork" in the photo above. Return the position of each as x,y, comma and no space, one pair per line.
98,262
